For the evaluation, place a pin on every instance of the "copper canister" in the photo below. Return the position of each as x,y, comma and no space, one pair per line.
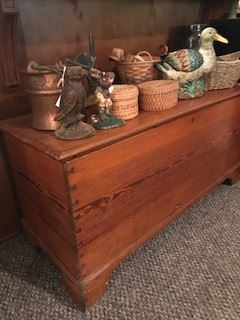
43,93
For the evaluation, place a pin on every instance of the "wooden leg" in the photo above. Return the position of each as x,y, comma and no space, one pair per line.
233,178
32,241
86,292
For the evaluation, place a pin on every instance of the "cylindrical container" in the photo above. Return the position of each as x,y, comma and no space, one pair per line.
43,93
125,101
158,95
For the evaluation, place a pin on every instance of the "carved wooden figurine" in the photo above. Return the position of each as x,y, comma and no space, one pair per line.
72,102
102,82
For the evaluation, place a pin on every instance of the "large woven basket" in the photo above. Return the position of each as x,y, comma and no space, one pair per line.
226,72
158,95
139,69
125,101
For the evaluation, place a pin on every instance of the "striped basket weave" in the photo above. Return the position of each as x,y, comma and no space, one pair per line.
226,72
138,69
125,101
158,95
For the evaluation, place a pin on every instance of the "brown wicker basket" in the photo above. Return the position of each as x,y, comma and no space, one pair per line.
125,101
158,95
226,72
138,68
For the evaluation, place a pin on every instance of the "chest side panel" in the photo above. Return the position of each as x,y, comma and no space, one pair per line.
155,172
43,198
49,223
35,203
144,207
43,171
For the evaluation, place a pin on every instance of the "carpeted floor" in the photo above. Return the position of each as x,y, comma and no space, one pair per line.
191,270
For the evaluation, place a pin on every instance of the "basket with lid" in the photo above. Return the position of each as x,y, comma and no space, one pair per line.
158,95
125,101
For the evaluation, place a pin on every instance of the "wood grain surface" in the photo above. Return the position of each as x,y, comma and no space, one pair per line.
113,23
35,202
111,183
100,199
62,150
42,170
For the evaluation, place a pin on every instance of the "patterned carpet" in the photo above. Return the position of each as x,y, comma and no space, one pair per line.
191,270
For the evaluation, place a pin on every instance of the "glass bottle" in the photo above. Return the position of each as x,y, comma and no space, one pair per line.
238,9
194,38
234,12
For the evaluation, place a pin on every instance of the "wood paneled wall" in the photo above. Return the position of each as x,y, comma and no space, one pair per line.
59,28
216,9
11,105
9,218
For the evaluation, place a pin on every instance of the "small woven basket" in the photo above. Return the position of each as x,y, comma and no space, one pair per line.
226,72
138,68
125,101
158,95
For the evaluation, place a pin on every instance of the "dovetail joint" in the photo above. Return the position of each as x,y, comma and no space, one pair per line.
70,170
73,187
75,203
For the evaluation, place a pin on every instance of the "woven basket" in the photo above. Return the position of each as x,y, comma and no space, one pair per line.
226,72
125,101
138,68
158,95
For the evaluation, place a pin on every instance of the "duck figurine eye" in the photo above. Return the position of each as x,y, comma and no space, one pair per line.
190,66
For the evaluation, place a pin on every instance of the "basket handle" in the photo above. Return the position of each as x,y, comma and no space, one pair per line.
146,53
163,49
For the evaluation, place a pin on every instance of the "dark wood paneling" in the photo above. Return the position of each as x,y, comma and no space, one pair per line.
135,26
11,105
215,9
9,218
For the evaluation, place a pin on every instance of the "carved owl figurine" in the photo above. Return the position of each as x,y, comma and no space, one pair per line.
72,102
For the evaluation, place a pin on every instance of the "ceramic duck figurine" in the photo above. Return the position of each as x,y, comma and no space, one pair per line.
190,66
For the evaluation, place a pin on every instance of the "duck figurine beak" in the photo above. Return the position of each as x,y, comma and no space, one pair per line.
219,38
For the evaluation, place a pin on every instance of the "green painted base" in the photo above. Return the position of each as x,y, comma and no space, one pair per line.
192,89
107,121
75,131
